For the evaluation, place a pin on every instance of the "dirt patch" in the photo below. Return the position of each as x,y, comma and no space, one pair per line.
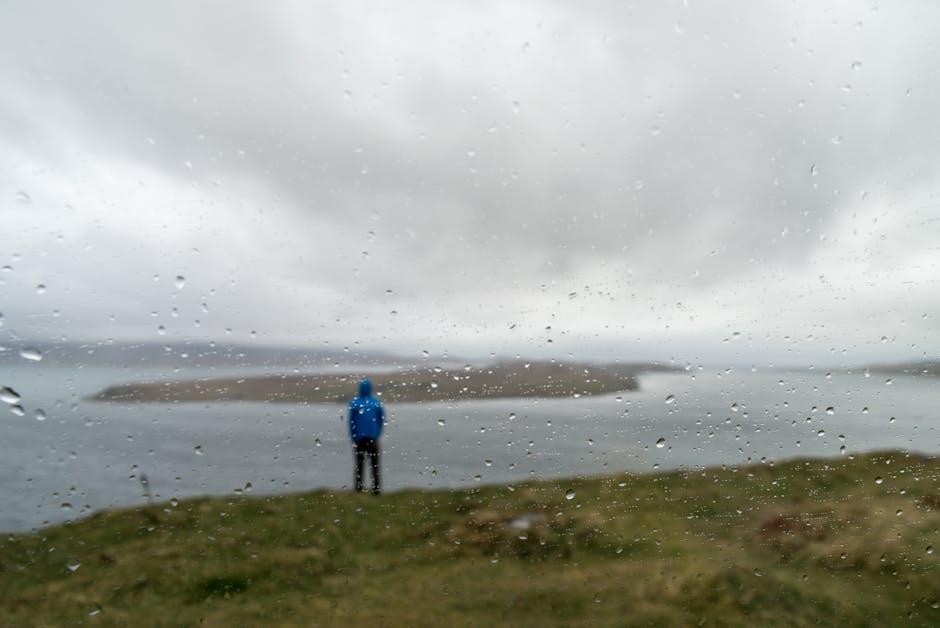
531,535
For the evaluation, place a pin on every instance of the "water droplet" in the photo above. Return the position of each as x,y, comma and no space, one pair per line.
569,494
670,399
734,407
488,462
891,420
41,288
8,395
433,384
836,140
179,282
898,512
879,480
198,450
39,414
22,196
935,604
441,422
478,477
813,170
865,410
661,443
18,410
856,65
471,152
31,354
821,433
512,416
655,131
161,330
830,410
889,381
930,549
73,567
317,442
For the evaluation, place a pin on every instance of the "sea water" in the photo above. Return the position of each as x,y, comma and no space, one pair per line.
63,456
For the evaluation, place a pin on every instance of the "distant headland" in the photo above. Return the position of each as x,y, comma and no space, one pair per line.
502,380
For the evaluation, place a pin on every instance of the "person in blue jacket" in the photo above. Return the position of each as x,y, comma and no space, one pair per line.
366,420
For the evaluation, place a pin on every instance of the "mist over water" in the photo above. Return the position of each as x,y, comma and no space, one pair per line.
65,457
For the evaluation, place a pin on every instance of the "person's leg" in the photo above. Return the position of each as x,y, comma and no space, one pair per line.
359,452
374,460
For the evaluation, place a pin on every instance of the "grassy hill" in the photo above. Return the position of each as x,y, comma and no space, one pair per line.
849,541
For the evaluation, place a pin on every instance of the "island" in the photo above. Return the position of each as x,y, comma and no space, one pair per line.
501,380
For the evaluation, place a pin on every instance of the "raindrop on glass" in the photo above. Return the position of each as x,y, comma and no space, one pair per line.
661,443
569,494
670,399
441,422
8,395
31,354
39,414
198,450
879,480
179,282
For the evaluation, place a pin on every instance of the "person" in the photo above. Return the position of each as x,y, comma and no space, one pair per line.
366,420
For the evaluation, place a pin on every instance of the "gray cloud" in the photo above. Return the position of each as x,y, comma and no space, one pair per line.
668,174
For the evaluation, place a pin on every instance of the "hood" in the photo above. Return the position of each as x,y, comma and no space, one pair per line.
365,388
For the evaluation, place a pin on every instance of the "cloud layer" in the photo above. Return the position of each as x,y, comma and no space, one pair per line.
697,182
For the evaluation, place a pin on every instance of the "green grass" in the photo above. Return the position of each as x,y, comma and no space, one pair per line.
805,542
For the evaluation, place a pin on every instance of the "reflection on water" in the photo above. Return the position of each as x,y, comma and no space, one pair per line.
65,457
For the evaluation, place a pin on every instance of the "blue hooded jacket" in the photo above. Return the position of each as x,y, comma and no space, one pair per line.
366,416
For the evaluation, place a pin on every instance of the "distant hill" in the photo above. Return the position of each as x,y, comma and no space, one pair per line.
196,354
923,367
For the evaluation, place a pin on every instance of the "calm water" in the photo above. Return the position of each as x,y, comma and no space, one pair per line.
85,456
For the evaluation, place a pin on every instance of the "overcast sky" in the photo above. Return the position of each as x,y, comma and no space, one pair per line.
721,181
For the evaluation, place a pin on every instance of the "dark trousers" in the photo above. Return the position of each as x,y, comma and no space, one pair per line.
362,448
